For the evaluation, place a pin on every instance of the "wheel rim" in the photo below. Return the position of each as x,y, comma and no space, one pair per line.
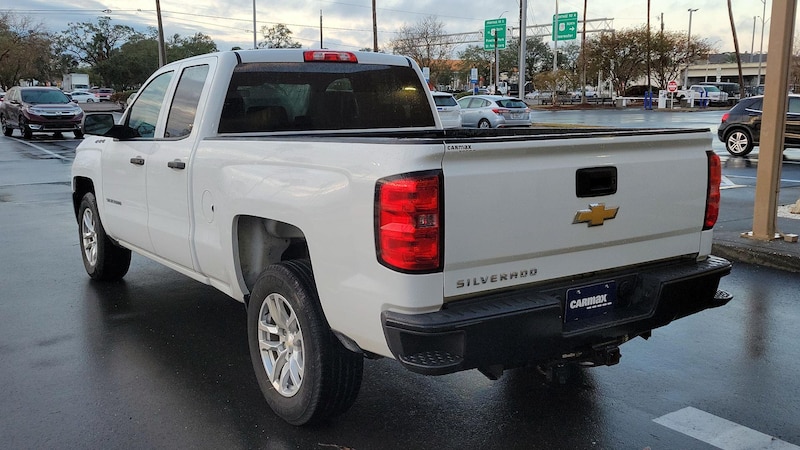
89,237
280,342
484,124
738,142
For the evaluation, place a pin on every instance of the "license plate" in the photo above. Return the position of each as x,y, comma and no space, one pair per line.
517,116
590,301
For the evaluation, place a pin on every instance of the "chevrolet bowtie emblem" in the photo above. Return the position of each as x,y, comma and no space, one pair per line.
595,215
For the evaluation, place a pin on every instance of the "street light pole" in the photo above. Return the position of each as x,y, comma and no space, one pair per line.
753,39
496,57
761,49
688,49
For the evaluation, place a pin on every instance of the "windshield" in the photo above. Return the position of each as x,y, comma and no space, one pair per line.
44,96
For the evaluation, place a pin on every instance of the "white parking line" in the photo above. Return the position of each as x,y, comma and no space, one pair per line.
42,149
719,432
783,180
728,184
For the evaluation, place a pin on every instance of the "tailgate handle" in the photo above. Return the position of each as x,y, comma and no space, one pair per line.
595,181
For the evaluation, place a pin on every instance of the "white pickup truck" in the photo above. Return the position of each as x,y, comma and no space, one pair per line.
319,189
702,94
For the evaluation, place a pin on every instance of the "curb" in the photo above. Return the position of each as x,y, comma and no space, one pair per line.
773,258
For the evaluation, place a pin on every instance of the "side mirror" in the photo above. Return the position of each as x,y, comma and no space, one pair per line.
102,124
98,124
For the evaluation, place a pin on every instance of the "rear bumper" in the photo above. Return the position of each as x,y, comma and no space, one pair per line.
521,327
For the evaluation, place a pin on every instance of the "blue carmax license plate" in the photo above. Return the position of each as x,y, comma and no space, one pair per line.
590,301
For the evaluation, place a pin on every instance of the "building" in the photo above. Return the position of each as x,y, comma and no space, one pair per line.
723,67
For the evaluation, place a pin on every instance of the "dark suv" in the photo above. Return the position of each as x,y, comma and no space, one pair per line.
39,110
741,126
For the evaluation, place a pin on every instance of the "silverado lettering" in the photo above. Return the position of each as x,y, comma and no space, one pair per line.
494,278
320,189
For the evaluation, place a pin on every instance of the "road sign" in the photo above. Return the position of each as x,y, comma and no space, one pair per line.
672,86
565,26
491,28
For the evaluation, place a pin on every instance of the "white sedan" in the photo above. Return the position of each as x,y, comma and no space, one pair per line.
84,97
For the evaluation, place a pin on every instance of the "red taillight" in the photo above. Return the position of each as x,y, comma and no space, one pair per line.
329,56
725,117
500,110
408,216
713,196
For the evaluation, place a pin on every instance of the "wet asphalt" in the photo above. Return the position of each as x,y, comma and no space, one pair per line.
159,360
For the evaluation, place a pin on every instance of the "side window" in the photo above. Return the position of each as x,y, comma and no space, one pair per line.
755,106
184,105
794,105
144,112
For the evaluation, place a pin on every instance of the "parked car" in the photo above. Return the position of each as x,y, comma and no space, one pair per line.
590,93
103,94
448,108
83,97
740,128
494,111
39,110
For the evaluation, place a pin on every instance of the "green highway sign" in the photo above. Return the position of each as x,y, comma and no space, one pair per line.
491,28
565,26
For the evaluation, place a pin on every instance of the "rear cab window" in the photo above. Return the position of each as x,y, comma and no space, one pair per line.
511,103
309,96
444,100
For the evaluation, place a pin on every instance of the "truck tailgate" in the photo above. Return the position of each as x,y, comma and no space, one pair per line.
530,210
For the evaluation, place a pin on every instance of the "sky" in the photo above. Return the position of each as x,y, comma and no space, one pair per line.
347,24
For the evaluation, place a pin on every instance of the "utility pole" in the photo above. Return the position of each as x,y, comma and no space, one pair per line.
162,50
374,28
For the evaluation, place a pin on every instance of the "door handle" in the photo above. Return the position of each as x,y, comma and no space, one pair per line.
138,160
177,164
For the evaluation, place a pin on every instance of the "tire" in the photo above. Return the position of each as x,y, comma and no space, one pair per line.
102,258
7,130
27,133
304,372
78,134
738,143
484,123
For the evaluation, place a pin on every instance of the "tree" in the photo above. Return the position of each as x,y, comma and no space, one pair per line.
426,43
476,57
278,36
91,43
670,55
622,54
25,52
131,64
538,57
198,44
